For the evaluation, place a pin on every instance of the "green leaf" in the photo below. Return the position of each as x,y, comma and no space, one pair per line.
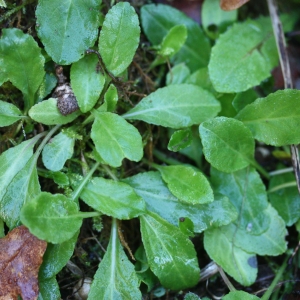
9,113
180,139
22,188
158,19
48,84
2,3
247,193
119,37
12,161
275,119
171,255
186,226
53,218
177,74
56,257
239,264
111,98
87,83
173,41
116,139
176,106
113,198
49,289
244,98
238,295
201,78
187,184
191,296
67,28
46,112
57,151
22,62
243,56
115,277
286,200
228,144
159,199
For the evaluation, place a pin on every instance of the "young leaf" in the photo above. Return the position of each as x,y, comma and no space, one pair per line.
171,255
86,82
57,151
187,184
67,29
286,200
116,139
113,198
53,218
22,62
111,98
176,106
275,119
173,41
180,139
239,264
238,295
115,277
240,58
228,145
119,37
46,112
178,74
9,114
158,19
159,199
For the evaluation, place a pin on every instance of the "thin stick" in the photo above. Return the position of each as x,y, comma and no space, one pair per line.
286,72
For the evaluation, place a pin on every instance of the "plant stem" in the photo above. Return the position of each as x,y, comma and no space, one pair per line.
110,173
226,280
82,184
281,171
163,157
259,168
282,186
275,281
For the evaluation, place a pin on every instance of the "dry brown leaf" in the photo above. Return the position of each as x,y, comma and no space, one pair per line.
232,4
21,255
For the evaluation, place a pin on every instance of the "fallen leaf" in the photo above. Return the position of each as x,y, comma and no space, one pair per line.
232,4
21,255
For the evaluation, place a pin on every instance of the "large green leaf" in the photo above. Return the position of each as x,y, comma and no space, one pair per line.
67,28
274,120
119,37
157,20
176,106
247,193
113,198
116,139
159,199
187,184
9,114
228,144
243,56
46,112
22,62
57,151
54,218
171,254
87,83
116,277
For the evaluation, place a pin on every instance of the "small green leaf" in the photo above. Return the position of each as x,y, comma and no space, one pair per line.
286,200
86,82
178,74
180,139
9,113
191,296
171,255
173,41
46,112
227,144
187,184
53,218
158,19
111,98
22,62
201,78
238,295
186,226
113,198
176,106
49,289
67,28
159,199
116,139
275,119
116,277
48,84
57,151
243,99
119,37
